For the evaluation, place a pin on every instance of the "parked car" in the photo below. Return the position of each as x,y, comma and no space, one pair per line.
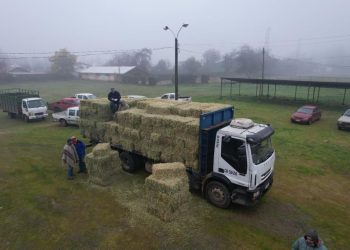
344,120
306,114
85,96
67,117
171,96
63,104
136,97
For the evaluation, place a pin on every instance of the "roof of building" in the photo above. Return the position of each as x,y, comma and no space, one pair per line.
107,70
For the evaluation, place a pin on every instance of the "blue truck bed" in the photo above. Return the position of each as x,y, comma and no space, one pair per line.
209,124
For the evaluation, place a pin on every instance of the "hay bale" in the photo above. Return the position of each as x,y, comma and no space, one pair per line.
102,164
166,190
161,130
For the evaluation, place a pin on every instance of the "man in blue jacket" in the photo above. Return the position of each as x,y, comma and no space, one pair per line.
80,148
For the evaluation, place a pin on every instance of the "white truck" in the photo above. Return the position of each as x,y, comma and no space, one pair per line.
22,103
228,160
70,116
85,96
171,96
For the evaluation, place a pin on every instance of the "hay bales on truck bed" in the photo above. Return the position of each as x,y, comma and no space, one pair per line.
162,130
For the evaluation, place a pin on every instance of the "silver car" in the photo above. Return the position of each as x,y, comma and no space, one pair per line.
344,120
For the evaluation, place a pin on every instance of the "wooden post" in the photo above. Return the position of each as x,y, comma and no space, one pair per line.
221,90
318,93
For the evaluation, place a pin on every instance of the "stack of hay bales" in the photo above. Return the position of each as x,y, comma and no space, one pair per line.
102,164
162,130
166,190
94,113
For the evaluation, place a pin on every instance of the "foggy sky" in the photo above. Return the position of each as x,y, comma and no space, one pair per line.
287,27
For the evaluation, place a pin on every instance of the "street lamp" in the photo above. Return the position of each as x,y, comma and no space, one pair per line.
185,25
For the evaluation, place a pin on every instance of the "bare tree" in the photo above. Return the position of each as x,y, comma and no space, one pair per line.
211,58
191,66
62,63
161,68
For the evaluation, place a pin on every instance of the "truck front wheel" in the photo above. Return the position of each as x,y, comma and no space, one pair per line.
128,163
25,118
63,123
218,194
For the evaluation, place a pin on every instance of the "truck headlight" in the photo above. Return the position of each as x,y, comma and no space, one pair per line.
31,114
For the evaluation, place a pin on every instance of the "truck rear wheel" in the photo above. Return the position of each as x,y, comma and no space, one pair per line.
128,162
218,194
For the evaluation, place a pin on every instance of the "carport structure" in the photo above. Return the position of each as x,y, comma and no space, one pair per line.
270,85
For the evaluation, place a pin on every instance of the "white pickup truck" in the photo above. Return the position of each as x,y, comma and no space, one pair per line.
67,117
85,96
171,96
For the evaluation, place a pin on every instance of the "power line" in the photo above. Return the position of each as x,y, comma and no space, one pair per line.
76,53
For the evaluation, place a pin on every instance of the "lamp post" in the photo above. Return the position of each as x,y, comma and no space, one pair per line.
185,25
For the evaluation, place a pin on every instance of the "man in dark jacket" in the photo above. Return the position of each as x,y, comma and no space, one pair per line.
114,99
80,148
310,241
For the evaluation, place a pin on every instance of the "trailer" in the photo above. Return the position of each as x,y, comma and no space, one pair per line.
23,103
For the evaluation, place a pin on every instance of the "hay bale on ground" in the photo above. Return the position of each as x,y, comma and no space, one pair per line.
102,164
166,190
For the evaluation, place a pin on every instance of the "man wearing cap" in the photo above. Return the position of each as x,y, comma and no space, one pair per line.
114,99
80,148
69,157
310,241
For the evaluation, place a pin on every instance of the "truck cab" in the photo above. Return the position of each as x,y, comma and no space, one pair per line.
244,156
236,162
33,108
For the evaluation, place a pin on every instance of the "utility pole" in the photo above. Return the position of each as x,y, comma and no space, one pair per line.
263,72
185,25
176,71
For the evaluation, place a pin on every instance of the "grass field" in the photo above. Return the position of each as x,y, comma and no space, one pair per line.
40,209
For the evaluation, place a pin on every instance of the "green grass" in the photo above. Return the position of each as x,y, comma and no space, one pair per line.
40,209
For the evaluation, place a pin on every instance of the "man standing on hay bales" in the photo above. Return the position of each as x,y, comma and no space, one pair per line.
114,99
80,148
69,157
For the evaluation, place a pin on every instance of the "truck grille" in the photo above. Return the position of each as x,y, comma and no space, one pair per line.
41,113
266,174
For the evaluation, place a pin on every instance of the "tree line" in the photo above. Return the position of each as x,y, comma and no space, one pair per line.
243,62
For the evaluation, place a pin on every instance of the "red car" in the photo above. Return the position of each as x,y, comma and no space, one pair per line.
63,104
306,114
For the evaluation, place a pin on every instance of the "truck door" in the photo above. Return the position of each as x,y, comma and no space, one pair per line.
71,116
232,160
24,108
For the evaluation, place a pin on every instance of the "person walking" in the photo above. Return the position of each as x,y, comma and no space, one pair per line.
310,241
69,157
80,148
114,99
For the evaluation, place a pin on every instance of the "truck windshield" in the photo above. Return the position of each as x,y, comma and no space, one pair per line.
261,151
36,103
